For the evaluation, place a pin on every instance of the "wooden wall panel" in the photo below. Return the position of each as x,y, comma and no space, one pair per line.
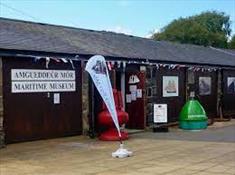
32,116
228,98
209,102
174,104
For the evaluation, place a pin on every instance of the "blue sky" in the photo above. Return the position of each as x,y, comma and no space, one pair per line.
135,17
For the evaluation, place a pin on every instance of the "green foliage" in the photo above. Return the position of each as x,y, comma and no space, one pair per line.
208,29
232,43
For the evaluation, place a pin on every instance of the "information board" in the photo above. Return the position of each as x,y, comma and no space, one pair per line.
160,113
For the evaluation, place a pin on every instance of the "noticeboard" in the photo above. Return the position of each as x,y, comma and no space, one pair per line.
160,113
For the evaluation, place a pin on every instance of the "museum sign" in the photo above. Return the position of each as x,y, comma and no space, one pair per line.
29,80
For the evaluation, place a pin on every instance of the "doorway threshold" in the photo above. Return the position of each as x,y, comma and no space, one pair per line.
134,131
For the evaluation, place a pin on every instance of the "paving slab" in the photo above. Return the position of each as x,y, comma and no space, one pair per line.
154,153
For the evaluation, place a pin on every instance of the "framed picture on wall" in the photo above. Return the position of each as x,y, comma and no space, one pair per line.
204,85
170,86
231,85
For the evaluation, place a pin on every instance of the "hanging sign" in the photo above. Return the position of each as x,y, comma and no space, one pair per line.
132,88
133,96
133,79
30,80
160,113
56,99
128,98
139,93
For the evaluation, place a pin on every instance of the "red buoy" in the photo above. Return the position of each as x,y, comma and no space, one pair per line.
105,119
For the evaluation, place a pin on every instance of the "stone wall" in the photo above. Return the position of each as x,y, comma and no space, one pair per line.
151,92
85,100
219,94
1,109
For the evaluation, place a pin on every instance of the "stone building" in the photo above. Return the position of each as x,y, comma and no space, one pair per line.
45,92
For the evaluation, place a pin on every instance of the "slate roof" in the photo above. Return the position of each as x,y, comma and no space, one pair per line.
229,51
30,36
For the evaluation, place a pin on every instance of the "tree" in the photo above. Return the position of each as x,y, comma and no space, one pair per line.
208,29
232,43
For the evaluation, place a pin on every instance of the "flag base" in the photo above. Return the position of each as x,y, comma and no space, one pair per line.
122,152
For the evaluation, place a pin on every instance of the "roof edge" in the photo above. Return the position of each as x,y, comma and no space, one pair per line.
29,53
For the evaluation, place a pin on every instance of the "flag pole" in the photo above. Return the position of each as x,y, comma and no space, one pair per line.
121,142
114,86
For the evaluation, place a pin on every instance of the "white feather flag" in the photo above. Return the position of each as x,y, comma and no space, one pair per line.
97,68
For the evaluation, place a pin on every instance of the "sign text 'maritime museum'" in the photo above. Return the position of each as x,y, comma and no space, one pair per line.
30,80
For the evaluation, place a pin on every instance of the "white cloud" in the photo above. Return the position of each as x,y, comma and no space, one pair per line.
148,35
120,29
157,30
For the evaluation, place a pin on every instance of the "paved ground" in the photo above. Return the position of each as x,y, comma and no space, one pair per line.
219,133
175,153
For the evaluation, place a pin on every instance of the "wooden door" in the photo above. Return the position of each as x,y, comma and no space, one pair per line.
32,116
206,91
174,102
228,97
136,106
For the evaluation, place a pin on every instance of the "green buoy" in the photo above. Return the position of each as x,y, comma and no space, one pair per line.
193,116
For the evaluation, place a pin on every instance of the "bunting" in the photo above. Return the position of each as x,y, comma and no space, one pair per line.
118,64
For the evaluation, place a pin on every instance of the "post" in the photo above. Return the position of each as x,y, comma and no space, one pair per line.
123,85
91,109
